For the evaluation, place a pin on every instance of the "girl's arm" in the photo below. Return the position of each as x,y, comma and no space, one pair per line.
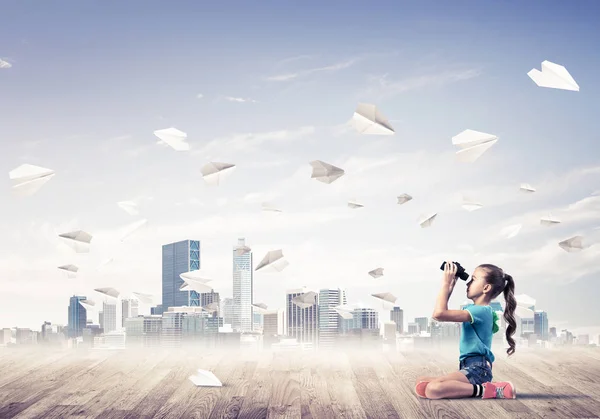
441,312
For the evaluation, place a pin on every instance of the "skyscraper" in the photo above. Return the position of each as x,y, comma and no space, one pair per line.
177,258
397,316
110,317
329,319
302,323
129,308
242,287
540,326
423,323
77,317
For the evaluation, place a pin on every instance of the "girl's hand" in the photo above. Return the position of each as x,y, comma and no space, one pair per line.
449,277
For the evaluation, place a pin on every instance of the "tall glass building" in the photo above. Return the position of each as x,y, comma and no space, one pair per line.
243,287
77,317
329,319
177,258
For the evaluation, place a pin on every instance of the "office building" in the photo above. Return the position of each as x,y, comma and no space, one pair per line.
77,317
302,323
329,319
242,288
109,311
423,323
540,324
178,258
129,308
397,316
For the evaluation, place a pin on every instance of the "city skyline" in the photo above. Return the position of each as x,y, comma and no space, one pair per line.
271,107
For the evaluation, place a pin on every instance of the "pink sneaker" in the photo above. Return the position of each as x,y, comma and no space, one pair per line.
420,388
499,390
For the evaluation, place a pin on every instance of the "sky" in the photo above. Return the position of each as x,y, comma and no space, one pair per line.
270,87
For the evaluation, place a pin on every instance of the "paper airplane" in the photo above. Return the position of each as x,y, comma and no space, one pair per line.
144,298
404,198
242,250
526,187
5,64
174,138
549,220
525,306
470,205
472,144
212,307
325,172
70,269
268,207
109,291
427,221
87,304
368,120
554,76
305,300
205,378
129,207
214,173
376,273
574,244
274,261
386,296
511,231
77,240
194,285
353,204
197,275
28,179
132,228
260,308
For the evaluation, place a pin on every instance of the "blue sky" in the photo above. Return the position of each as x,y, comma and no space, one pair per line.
89,83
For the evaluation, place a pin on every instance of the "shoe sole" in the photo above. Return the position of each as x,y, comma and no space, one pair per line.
514,389
420,383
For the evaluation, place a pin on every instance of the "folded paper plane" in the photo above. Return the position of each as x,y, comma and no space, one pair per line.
386,296
427,221
196,275
471,205
205,378
28,179
194,285
367,119
511,231
305,300
549,221
526,187
70,269
554,76
212,307
404,198
5,64
472,144
354,204
214,173
376,273
269,207
144,298
109,291
129,207
87,304
260,308
325,172
274,261
77,240
174,138
574,244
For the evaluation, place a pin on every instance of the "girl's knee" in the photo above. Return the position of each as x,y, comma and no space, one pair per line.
433,389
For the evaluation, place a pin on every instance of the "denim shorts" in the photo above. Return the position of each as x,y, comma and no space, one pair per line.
477,369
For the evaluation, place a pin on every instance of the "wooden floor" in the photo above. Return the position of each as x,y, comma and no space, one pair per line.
128,384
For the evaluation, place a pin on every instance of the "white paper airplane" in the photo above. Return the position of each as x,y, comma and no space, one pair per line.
144,298
174,138
368,120
574,244
386,296
129,207
554,76
526,187
199,287
376,273
274,261
260,308
205,378
472,144
428,220
268,207
511,231
111,292
70,269
404,198
549,220
354,204
197,275
132,228
87,304
28,179
325,172
305,300
471,205
214,173
77,240
5,64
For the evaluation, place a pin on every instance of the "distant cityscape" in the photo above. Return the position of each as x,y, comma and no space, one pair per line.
310,320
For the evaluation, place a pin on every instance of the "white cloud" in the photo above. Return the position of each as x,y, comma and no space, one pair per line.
303,73
5,64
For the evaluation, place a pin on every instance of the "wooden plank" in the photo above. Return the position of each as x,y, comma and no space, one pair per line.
256,403
342,393
285,393
232,398
314,398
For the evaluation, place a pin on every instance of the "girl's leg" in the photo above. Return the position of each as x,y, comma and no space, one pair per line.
454,385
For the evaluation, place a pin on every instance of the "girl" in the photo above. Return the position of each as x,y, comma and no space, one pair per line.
478,325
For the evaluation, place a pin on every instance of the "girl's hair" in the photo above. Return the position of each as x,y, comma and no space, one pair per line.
503,282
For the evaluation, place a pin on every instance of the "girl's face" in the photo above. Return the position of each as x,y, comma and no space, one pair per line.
477,283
